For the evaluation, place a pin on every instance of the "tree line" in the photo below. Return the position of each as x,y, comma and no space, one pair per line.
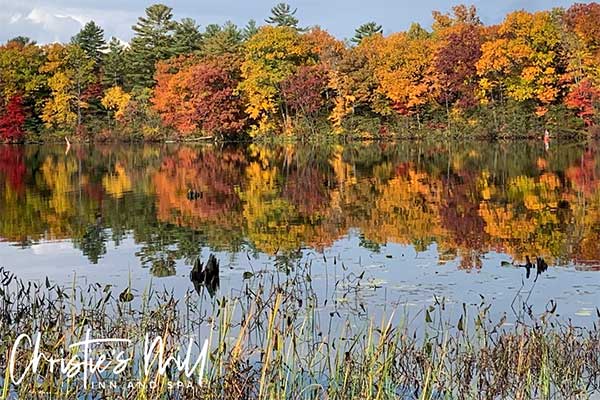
176,80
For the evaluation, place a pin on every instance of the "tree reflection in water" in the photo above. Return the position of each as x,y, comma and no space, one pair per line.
469,199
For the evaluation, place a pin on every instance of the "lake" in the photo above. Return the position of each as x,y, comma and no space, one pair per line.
378,226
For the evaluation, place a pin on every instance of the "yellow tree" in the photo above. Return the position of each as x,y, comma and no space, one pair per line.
19,69
354,83
271,55
404,60
583,41
70,71
524,60
116,100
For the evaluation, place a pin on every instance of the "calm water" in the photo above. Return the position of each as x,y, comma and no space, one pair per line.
409,221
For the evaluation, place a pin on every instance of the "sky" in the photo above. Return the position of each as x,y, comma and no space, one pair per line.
48,21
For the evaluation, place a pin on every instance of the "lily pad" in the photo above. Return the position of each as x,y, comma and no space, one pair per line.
126,296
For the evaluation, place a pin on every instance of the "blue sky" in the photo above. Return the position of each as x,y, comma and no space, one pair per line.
48,21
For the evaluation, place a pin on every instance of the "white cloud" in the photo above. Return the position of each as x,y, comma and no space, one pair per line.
53,22
46,21
15,18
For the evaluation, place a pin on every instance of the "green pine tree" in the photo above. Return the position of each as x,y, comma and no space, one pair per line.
282,15
187,37
22,40
249,30
416,31
366,30
91,40
114,67
82,74
153,41
220,40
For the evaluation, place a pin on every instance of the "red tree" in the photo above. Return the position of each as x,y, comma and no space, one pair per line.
583,98
303,91
454,64
12,120
216,106
200,95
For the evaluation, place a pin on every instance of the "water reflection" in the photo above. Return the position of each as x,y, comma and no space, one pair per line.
469,199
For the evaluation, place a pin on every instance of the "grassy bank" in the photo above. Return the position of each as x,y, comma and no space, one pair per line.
272,341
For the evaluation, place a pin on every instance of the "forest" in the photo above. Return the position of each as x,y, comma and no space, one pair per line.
177,81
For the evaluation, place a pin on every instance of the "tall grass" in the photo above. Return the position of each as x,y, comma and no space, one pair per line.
276,340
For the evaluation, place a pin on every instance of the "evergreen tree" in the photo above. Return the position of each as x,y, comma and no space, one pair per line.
153,41
187,37
249,30
91,40
22,40
282,15
366,30
82,74
211,30
416,31
220,40
114,64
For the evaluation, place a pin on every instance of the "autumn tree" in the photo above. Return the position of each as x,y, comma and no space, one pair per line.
457,49
20,61
200,96
70,72
303,91
585,99
116,100
353,83
402,68
582,22
524,61
271,55
12,120
461,14
328,50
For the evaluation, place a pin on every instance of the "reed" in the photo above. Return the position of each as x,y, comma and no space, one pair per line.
274,340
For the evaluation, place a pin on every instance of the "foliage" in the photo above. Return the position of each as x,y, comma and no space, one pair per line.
366,30
402,64
533,71
219,40
70,72
524,60
12,121
283,15
271,55
114,64
153,41
584,98
303,92
200,96
457,49
187,37
91,40
115,99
